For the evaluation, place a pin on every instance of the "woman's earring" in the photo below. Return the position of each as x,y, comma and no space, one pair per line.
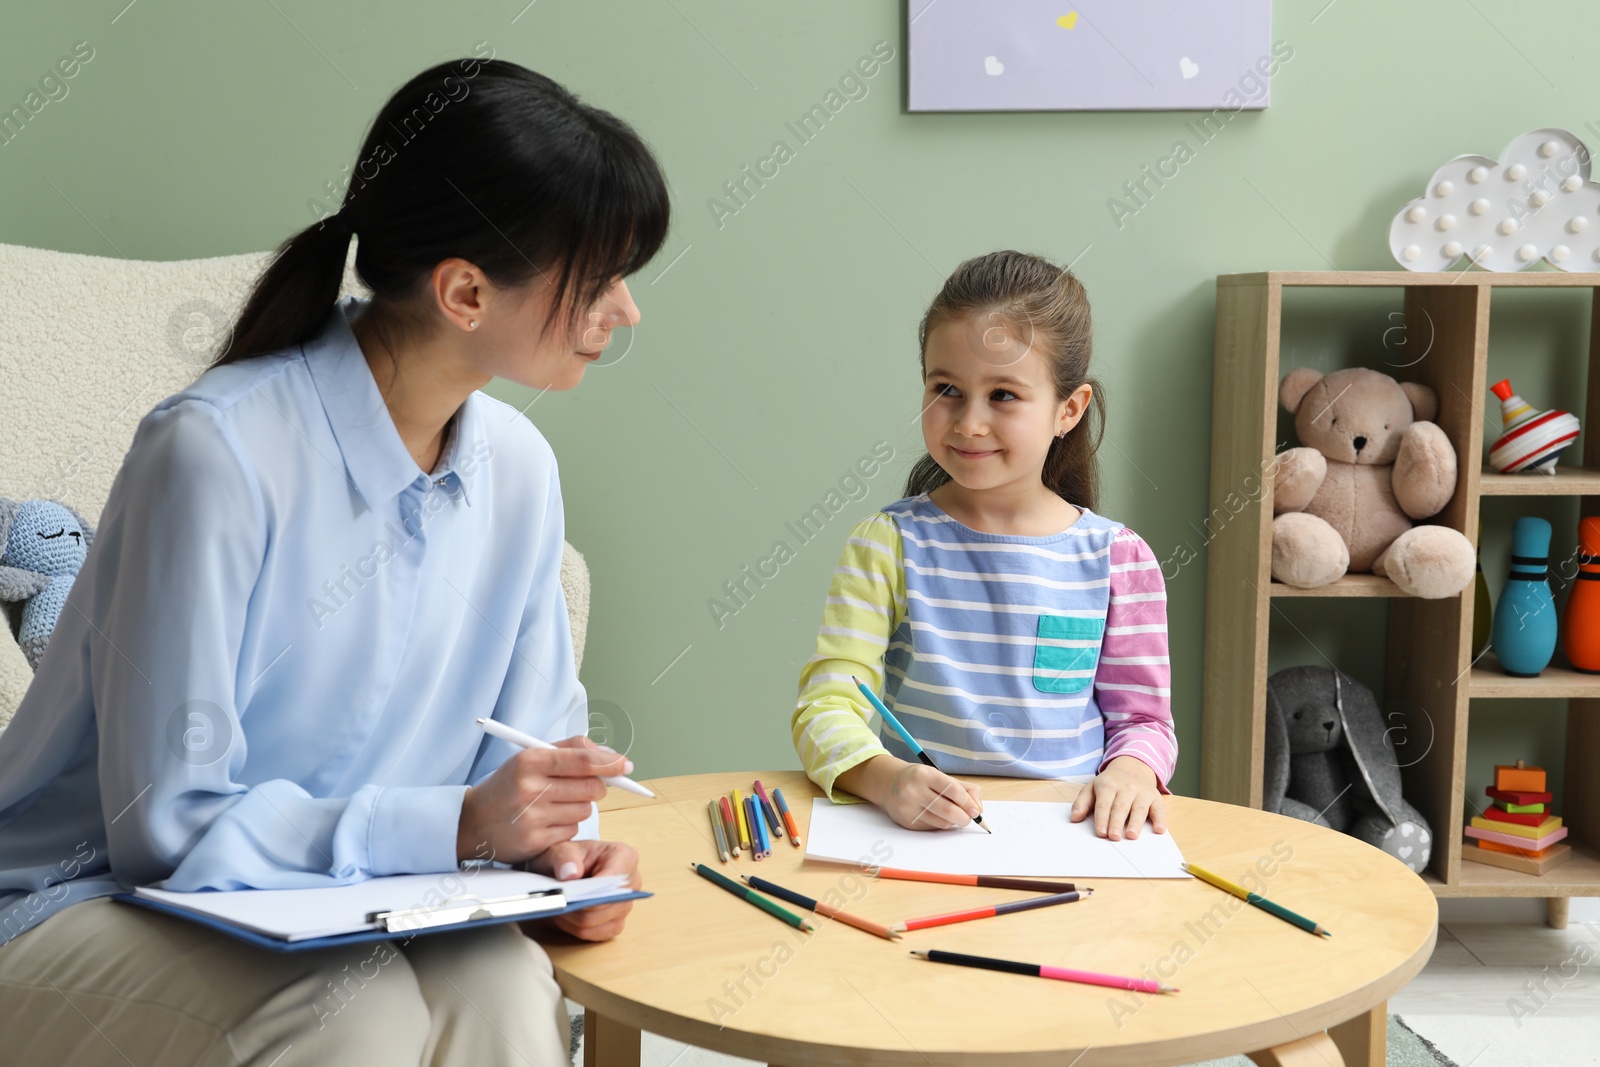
473,325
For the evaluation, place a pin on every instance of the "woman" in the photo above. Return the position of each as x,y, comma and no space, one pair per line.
269,667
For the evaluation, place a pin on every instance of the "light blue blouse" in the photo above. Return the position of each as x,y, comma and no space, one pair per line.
267,670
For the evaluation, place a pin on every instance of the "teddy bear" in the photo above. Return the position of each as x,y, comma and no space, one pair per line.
1330,760
43,543
1369,465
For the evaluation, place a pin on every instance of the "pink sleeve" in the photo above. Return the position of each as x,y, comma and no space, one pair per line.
1133,683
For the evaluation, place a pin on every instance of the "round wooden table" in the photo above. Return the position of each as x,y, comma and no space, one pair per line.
700,966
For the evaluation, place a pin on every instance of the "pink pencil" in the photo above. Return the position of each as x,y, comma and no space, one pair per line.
1039,970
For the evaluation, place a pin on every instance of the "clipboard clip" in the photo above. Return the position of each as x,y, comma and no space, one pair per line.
467,909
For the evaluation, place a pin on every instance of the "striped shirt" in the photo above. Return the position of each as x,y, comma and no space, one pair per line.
1029,657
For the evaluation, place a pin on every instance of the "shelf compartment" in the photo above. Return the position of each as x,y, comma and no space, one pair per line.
1578,877
1486,680
1567,481
1531,279
1349,585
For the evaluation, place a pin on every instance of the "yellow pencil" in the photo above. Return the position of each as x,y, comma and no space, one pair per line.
744,824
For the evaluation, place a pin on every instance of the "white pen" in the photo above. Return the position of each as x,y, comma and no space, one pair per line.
496,728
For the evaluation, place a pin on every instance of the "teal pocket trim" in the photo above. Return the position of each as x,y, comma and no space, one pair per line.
1059,668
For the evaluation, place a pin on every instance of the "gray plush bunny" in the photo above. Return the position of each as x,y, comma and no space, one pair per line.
42,545
1329,760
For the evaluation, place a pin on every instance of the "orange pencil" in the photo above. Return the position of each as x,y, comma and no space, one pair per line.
991,910
820,908
788,817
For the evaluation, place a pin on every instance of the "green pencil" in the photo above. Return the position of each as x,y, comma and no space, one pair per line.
1257,899
752,896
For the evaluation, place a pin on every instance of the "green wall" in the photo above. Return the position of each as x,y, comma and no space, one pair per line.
781,346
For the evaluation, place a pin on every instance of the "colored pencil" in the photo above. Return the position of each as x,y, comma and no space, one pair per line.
768,810
744,824
759,826
820,908
1257,899
992,910
988,881
496,728
752,896
911,742
788,817
1038,970
730,824
717,831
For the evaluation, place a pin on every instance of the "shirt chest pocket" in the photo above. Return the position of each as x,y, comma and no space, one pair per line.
1065,652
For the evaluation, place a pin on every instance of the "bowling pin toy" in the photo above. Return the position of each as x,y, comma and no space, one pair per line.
1524,633
1530,441
1580,625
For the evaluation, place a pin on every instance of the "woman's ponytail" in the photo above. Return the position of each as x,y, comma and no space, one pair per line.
293,296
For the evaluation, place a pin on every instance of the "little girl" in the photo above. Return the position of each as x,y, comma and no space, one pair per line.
1009,628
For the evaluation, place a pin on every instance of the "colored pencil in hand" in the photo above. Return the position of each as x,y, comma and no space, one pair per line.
788,817
820,908
1037,970
991,910
730,824
989,881
717,831
1258,900
905,735
752,896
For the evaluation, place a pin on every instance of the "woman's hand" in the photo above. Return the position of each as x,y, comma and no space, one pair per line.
915,795
534,800
588,859
1120,796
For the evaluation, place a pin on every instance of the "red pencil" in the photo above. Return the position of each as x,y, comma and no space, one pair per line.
993,909
1036,885
732,825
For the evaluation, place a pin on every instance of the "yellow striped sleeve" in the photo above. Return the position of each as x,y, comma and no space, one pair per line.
866,601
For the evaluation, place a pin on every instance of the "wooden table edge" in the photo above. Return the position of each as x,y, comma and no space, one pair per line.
1284,1030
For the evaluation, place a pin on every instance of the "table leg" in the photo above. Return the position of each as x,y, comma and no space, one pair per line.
1318,1050
1555,912
608,1043
1364,1040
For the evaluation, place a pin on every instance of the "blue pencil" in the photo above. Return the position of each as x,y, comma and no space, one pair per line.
766,834
911,742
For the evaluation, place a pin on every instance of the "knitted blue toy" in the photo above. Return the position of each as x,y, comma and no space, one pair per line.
44,543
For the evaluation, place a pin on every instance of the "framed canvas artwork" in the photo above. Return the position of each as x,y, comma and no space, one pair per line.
1093,55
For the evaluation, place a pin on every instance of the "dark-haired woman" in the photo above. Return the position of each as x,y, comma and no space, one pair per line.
318,565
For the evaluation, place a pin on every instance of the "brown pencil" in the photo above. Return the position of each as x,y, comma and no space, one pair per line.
988,881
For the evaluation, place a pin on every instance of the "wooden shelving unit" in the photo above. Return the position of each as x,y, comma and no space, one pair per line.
1429,663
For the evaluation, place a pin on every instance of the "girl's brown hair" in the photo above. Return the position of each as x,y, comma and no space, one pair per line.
1045,306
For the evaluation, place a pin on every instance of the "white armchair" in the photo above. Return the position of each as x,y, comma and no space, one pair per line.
88,345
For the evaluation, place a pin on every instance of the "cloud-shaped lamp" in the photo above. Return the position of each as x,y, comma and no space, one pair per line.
1536,203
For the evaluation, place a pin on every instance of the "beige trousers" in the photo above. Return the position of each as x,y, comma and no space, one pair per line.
108,984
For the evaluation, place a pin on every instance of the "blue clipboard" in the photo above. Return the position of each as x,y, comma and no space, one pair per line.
275,944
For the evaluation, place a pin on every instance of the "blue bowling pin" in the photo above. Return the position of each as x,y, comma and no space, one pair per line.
1524,634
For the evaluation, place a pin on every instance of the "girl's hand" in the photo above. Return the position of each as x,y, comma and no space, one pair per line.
921,798
915,795
588,859
1120,796
534,799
